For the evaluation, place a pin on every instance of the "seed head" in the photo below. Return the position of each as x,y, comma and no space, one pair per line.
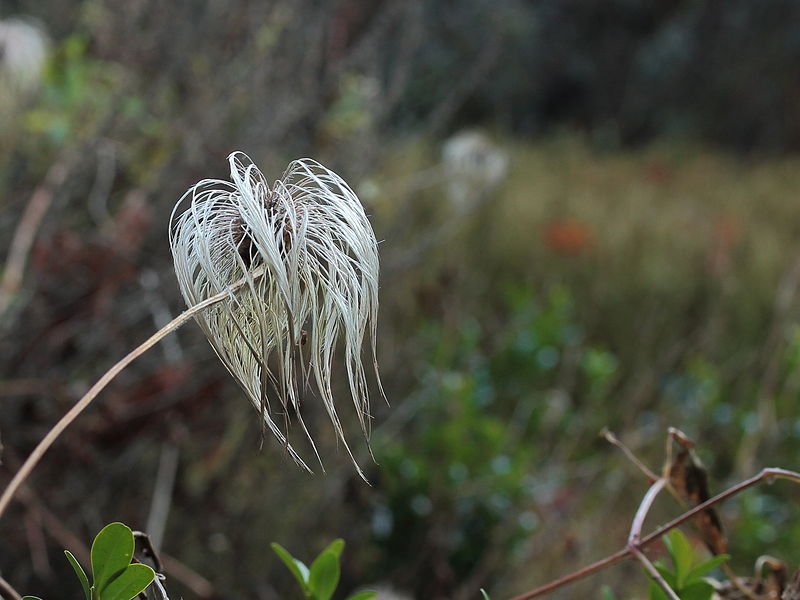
300,261
23,52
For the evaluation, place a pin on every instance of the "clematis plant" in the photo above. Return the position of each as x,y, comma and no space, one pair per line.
307,257
258,264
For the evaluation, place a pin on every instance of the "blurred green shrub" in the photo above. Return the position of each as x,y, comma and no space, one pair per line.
492,403
319,581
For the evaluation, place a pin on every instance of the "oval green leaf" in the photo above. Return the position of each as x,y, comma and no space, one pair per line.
703,568
298,569
112,551
129,584
699,590
682,555
80,573
336,546
324,575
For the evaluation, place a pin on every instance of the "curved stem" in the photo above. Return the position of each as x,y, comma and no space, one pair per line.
765,474
654,574
80,405
8,591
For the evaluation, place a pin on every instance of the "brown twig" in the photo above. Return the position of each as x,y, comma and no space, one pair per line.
635,535
26,232
81,405
677,436
8,592
609,436
765,474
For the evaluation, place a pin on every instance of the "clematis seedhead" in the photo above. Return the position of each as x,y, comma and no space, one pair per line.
300,263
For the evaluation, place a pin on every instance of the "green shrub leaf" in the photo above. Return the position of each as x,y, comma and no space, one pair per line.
112,551
324,575
699,590
297,568
336,546
31,598
80,573
682,555
129,584
705,567
484,594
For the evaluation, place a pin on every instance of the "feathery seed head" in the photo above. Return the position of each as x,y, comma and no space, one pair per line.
300,261
23,52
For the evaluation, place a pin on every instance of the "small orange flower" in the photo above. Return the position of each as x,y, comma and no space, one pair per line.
567,236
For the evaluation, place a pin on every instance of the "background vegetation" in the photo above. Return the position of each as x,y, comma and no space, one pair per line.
637,267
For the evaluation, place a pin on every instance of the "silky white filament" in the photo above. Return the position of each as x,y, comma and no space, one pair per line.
301,262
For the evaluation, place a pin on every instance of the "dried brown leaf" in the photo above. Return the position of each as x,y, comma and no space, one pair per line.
792,591
689,478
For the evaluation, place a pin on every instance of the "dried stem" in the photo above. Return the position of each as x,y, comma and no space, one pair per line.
609,436
8,592
765,474
81,405
26,232
641,514
653,572
634,537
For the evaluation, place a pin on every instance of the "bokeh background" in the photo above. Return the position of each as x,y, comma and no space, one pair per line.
589,217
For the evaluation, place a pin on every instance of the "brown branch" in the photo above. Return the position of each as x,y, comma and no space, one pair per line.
635,535
609,436
765,474
26,232
52,435
653,572
8,592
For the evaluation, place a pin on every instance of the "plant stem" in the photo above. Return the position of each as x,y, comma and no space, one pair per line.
635,537
8,592
769,473
653,572
35,456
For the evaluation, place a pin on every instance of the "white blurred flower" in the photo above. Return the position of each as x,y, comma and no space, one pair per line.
308,258
474,166
23,53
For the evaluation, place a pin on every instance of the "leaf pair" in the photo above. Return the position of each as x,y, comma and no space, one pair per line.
114,576
687,577
320,580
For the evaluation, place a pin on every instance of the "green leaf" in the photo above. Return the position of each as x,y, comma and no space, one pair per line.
297,568
129,584
484,594
324,576
654,592
682,555
668,575
31,598
366,595
336,546
607,593
705,567
80,573
112,551
699,590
